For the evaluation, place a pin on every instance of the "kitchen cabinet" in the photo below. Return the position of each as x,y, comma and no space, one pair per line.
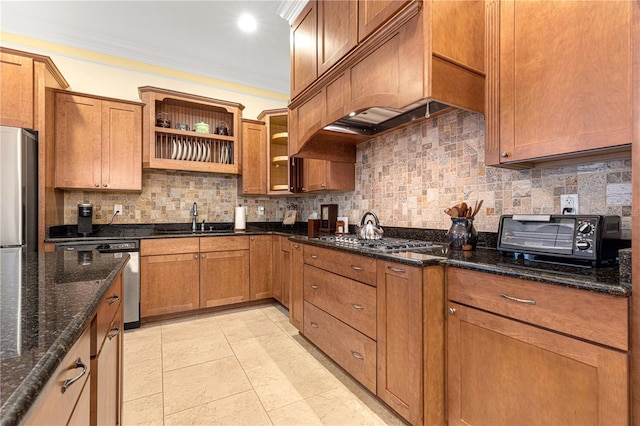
304,54
261,266
282,278
337,31
25,83
373,13
322,175
409,52
73,404
106,358
542,88
554,355
400,356
98,143
296,300
254,158
216,150
169,276
224,270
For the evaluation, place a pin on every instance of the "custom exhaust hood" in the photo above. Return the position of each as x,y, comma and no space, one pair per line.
374,120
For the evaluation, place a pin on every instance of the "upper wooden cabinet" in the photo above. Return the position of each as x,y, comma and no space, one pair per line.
216,150
23,77
373,13
322,175
558,80
304,54
98,143
408,53
254,158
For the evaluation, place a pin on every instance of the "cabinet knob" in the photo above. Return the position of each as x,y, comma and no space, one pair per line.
195,256
313,256
97,185
295,246
246,190
356,355
204,256
253,238
323,185
451,311
504,154
313,286
303,189
106,185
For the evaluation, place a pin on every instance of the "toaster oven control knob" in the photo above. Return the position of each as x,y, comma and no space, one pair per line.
583,245
585,228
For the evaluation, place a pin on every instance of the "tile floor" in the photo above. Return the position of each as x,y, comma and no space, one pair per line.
240,367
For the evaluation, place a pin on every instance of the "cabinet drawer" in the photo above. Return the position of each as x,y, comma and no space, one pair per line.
352,350
224,243
592,316
107,308
350,301
169,246
53,405
356,267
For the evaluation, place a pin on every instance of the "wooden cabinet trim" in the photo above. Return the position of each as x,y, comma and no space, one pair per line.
359,268
162,246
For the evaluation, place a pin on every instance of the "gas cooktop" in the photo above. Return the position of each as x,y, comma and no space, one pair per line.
386,245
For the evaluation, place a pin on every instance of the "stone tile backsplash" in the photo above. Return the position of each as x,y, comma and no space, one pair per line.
407,177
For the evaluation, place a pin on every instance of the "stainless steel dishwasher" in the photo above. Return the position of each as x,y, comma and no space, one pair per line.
131,277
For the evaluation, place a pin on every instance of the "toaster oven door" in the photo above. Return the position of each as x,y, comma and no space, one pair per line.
544,234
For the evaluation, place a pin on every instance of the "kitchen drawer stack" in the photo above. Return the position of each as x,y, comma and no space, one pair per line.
340,310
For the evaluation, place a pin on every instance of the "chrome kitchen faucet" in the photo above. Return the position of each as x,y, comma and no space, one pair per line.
194,215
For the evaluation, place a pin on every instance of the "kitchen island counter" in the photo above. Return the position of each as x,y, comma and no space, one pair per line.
43,317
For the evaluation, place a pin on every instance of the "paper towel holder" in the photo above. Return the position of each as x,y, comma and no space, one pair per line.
240,223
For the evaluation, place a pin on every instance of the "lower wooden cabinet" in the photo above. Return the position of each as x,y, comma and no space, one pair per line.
296,301
224,278
261,266
503,371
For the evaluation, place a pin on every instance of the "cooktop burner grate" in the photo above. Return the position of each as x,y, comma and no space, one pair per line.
384,245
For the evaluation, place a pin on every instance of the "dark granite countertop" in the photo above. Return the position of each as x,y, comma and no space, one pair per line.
603,279
43,316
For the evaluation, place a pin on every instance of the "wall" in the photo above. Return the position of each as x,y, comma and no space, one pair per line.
407,177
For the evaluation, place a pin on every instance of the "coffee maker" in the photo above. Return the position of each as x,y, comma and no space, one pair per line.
85,219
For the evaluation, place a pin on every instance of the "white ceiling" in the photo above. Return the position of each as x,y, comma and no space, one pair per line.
200,37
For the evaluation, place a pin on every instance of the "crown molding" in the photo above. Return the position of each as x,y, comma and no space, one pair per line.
290,9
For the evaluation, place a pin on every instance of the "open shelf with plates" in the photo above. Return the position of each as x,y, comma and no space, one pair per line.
170,121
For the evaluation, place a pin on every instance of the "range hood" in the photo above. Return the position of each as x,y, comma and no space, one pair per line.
374,120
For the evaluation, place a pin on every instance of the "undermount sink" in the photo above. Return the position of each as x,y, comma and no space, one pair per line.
186,232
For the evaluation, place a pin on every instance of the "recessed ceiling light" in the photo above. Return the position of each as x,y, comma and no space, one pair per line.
247,23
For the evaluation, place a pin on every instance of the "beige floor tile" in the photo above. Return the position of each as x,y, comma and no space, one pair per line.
276,312
183,353
142,379
142,344
265,349
241,409
335,407
253,313
186,330
248,329
143,411
202,383
289,380
286,326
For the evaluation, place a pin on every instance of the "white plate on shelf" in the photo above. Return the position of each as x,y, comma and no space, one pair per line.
179,152
208,157
200,151
188,152
174,149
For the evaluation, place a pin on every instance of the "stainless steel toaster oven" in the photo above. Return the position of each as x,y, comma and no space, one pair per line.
591,239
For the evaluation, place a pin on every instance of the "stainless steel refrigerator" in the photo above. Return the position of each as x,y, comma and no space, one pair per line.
18,234
18,189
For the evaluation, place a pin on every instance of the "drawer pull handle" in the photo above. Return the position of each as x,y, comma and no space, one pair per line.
113,299
357,307
313,324
69,382
295,246
357,268
515,299
313,286
391,268
115,330
356,355
313,256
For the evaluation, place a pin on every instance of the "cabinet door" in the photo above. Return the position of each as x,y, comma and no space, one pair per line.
322,175
315,175
121,146
304,54
559,93
78,142
285,277
296,305
501,371
373,13
254,158
16,91
106,377
305,120
224,277
337,31
277,269
169,283
400,372
261,266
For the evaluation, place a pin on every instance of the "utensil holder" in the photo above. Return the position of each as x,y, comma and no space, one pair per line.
462,235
